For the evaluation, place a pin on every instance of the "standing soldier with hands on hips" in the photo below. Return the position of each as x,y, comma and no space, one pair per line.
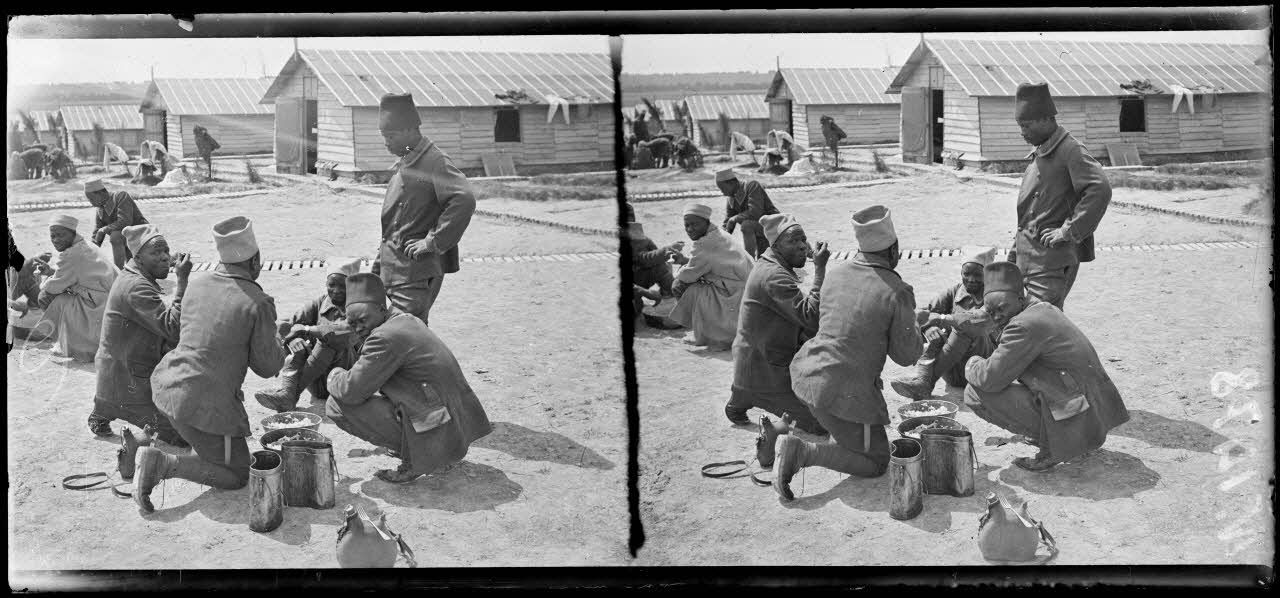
427,208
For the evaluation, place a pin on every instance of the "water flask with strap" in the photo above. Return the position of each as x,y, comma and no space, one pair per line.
1007,536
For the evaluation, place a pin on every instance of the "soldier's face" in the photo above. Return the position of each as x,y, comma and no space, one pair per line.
728,187
696,226
792,246
1037,131
1002,306
364,317
971,276
61,237
336,287
97,198
397,142
154,258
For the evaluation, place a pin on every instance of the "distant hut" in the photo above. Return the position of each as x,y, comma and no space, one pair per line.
748,114
958,95
326,109
228,108
855,97
121,125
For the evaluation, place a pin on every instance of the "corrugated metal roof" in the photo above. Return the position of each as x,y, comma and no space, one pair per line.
214,96
1085,69
839,85
736,107
449,79
111,117
40,116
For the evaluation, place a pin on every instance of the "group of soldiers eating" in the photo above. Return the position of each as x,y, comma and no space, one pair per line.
814,356
174,366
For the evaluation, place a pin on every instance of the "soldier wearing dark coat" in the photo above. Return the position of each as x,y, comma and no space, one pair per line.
1044,380
428,206
776,317
1063,197
406,391
138,328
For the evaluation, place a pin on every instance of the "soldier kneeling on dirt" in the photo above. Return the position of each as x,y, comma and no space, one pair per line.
406,391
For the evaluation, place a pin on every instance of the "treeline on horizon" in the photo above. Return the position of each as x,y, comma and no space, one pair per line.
678,85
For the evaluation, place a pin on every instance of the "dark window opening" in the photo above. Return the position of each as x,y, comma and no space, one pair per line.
1133,115
507,126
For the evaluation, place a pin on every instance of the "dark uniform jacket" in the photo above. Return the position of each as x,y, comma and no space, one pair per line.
138,328
775,319
868,314
1063,186
751,201
427,198
1048,354
118,212
416,371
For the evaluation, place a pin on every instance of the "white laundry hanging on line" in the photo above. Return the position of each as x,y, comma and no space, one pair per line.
1178,92
112,150
1209,93
554,103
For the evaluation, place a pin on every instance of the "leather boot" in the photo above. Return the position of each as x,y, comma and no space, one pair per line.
284,398
151,466
792,455
918,386
769,433
737,415
100,426
126,456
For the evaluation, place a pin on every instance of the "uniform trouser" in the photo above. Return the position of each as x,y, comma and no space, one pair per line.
955,351
223,461
776,403
858,449
312,367
1051,286
753,239
416,298
373,421
1014,409
139,415
659,274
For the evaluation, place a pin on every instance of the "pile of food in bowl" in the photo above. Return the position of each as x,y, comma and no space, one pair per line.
287,421
933,425
930,408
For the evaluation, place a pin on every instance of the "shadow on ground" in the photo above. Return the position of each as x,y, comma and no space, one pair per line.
464,488
533,445
872,495
1158,430
1100,475
230,507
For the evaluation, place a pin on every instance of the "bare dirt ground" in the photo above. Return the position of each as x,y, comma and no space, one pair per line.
49,190
655,180
937,211
546,487
311,221
1169,487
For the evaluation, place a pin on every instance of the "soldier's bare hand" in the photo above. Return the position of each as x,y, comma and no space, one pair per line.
182,265
821,255
1053,237
418,249
933,335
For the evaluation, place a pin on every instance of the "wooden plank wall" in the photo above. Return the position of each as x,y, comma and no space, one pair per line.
1236,121
237,133
466,133
863,123
708,131
173,135
960,112
800,131
129,139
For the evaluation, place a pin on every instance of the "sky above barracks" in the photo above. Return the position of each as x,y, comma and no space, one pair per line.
644,54
37,61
